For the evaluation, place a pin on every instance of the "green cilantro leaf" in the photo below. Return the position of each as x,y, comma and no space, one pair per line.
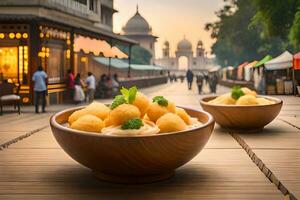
129,94
118,100
132,124
237,92
160,100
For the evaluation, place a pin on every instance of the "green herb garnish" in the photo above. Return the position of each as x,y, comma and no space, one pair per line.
237,92
118,100
160,100
129,94
132,124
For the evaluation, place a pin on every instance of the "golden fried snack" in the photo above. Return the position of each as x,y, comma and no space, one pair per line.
183,115
263,101
170,122
171,107
246,100
89,123
142,102
123,113
107,122
223,99
98,109
248,91
155,111
75,115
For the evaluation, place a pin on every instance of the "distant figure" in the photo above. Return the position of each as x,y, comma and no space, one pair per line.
199,81
213,81
70,84
78,92
115,83
189,77
40,80
91,87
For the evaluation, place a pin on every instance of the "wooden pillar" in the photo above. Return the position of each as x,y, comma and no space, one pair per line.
34,45
129,62
72,63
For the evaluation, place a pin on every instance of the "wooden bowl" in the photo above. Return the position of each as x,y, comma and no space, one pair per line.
243,118
132,159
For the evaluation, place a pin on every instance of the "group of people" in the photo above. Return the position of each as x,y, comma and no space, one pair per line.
76,84
108,86
201,79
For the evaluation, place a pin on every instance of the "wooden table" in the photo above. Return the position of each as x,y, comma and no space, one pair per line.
232,165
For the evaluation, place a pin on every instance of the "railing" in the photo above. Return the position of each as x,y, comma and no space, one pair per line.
67,6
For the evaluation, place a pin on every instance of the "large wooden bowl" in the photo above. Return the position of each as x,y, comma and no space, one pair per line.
136,159
243,118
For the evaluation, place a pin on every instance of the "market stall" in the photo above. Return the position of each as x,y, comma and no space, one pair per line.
296,73
258,75
240,70
248,71
279,73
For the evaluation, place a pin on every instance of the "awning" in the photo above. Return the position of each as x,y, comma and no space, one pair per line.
214,69
296,61
230,68
97,47
122,65
263,61
283,61
248,70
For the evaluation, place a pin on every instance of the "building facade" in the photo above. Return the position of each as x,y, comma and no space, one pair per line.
138,29
196,61
34,33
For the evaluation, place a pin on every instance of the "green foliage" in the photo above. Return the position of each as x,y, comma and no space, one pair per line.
132,124
129,94
118,100
249,29
237,92
294,35
161,101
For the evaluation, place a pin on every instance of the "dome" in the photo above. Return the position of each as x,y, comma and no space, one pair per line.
184,45
137,25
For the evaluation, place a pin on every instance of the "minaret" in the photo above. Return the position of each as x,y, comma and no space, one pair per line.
200,49
166,49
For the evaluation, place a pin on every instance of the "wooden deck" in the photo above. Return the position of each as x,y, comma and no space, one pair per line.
232,166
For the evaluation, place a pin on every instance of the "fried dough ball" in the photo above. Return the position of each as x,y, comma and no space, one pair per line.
98,109
246,100
183,115
75,115
142,102
89,123
123,113
263,101
171,107
223,99
248,91
107,122
170,122
155,111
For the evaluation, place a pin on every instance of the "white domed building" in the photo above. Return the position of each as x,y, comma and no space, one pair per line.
185,58
137,28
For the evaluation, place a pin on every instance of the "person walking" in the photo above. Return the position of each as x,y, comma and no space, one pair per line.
189,77
70,81
78,92
40,80
199,81
91,87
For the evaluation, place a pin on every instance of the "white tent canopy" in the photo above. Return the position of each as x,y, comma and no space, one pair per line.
283,61
215,68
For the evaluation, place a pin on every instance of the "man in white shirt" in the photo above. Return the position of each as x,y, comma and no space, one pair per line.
91,87
40,80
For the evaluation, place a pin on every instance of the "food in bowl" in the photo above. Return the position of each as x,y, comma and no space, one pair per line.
242,97
132,113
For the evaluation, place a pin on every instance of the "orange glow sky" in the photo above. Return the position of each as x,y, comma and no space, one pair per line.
171,19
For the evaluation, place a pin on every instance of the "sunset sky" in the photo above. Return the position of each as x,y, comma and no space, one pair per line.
171,19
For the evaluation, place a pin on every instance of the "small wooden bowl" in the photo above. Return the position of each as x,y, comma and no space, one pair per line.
132,159
243,118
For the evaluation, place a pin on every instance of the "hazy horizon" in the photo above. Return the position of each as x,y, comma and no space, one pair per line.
171,21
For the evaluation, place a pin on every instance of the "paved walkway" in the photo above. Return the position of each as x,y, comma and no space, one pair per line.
232,165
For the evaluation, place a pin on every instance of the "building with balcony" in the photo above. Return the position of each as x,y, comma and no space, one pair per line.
45,33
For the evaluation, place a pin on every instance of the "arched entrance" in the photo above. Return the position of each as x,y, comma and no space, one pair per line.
183,63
